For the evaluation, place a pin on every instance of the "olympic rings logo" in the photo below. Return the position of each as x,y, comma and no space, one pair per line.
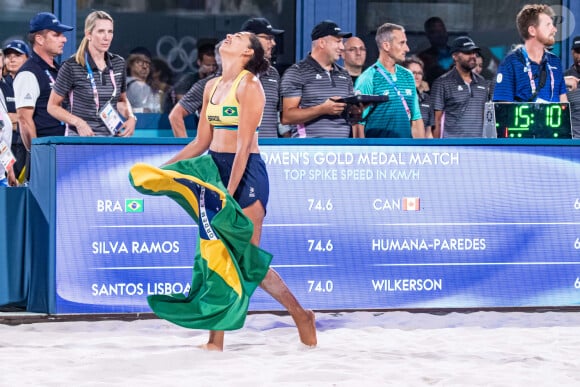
181,55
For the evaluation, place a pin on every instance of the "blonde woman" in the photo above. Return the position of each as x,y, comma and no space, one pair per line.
94,82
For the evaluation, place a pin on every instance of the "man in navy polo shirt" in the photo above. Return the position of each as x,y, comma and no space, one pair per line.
33,83
531,73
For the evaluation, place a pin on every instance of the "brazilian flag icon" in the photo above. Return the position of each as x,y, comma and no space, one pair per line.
230,111
133,205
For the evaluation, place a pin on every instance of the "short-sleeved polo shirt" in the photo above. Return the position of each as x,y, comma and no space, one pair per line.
32,86
512,82
73,82
314,85
462,103
425,107
389,119
192,101
271,84
574,99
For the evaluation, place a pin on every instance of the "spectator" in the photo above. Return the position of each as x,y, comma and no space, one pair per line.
437,58
531,73
355,55
34,80
192,101
572,77
401,115
489,65
270,79
486,67
415,65
161,80
142,97
310,87
206,65
94,81
16,52
7,177
460,94
478,69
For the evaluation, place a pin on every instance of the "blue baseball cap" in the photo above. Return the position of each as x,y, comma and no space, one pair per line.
47,21
18,46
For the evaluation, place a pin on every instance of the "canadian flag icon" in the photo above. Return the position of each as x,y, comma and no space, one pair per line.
411,204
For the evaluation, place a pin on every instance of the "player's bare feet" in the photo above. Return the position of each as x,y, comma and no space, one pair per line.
307,328
211,347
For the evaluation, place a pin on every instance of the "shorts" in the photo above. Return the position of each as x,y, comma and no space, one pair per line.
254,184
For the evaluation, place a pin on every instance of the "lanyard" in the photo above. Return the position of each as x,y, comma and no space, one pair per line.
528,68
50,78
94,85
394,86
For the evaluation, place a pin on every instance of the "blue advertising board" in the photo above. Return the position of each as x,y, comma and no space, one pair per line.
351,226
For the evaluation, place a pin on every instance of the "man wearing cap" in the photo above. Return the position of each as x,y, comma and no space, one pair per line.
310,87
531,73
270,80
16,53
33,83
400,116
460,94
572,78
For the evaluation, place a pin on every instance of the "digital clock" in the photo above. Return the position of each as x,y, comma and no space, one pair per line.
528,120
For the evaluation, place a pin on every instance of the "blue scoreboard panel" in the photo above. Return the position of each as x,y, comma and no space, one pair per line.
350,227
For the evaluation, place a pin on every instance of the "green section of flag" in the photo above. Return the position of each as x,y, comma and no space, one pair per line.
227,268
133,205
230,111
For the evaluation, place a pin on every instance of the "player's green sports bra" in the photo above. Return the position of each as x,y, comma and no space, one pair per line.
227,114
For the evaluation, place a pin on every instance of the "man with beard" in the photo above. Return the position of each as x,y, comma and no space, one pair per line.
573,75
460,94
531,73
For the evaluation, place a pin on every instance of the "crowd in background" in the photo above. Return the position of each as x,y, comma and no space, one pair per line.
439,92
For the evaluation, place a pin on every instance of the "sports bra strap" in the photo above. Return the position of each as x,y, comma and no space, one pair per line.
233,89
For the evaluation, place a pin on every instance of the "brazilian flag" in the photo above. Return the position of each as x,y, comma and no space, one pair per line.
227,267
230,111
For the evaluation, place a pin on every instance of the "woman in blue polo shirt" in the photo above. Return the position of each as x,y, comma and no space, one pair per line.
93,81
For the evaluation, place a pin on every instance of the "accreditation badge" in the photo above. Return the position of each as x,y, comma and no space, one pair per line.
111,118
7,159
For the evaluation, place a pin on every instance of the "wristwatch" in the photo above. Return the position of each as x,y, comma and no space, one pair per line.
132,115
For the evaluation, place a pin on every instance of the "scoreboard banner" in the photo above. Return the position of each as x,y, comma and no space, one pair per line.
350,227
